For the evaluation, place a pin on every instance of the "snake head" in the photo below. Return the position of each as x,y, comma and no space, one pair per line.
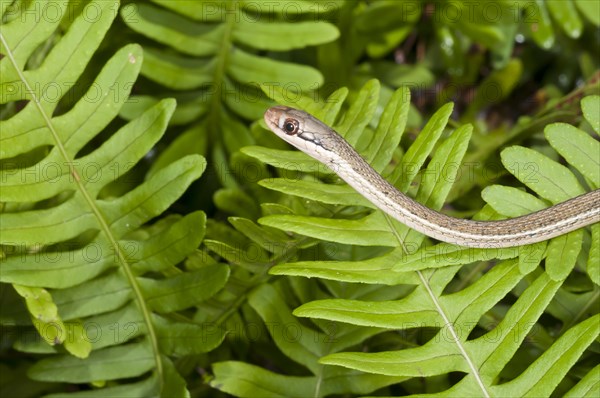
300,129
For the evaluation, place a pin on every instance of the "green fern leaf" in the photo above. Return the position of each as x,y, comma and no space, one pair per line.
96,280
434,300
217,64
304,345
589,107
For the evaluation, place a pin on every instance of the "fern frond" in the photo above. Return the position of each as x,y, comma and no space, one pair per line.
99,286
216,56
439,298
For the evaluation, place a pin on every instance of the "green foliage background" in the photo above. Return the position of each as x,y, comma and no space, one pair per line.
157,240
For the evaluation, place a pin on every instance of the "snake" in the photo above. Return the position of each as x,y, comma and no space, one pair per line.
324,144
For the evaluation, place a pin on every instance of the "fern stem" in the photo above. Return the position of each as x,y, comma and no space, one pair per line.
461,347
446,320
214,114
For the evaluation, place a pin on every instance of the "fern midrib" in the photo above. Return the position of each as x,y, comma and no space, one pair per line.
104,226
220,67
442,314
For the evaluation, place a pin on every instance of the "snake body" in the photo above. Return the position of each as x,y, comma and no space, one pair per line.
319,141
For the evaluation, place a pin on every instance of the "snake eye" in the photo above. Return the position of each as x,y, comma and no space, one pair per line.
291,126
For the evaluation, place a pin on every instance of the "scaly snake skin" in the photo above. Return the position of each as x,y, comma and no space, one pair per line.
319,141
